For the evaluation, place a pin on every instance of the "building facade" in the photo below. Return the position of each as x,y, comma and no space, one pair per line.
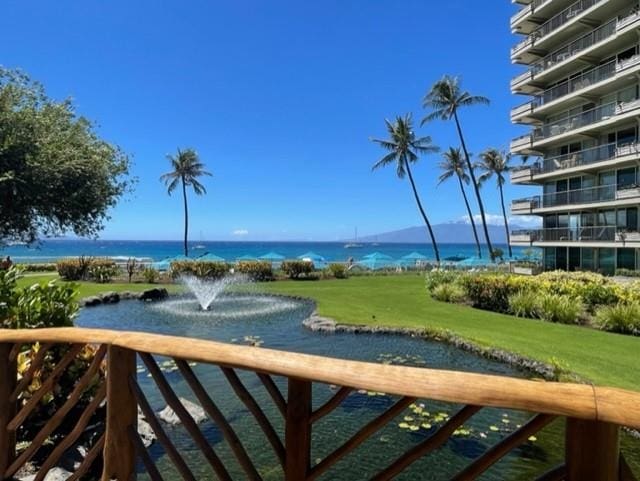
582,78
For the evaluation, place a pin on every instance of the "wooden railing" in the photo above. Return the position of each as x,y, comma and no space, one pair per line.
593,414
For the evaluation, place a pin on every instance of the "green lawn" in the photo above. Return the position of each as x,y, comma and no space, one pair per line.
86,289
604,358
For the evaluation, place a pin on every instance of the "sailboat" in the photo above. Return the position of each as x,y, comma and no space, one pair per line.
201,245
354,244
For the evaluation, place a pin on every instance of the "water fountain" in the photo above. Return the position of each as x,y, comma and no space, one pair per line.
211,300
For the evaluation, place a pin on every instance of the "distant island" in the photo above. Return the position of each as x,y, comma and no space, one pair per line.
447,233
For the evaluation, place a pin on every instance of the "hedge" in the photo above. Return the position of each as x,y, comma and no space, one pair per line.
258,271
295,269
202,269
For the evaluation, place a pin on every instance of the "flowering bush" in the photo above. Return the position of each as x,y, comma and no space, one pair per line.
201,269
492,291
259,271
297,268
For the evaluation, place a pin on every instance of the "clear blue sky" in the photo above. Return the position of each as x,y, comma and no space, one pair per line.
278,97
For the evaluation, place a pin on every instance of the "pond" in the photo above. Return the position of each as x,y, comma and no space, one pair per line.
276,323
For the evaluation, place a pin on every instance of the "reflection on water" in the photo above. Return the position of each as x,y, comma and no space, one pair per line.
276,323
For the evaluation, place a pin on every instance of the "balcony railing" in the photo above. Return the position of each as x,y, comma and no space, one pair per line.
520,142
286,409
601,193
574,48
527,10
569,234
577,121
556,22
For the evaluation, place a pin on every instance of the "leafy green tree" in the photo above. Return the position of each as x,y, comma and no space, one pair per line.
405,149
56,174
186,169
493,162
445,99
452,164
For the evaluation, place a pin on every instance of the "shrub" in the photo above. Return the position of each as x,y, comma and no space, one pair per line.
623,318
38,267
45,305
150,275
628,272
451,292
259,271
297,268
201,269
339,271
103,273
132,266
436,277
8,292
73,269
524,304
559,308
492,292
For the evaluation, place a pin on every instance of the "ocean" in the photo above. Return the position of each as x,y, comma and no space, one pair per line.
51,250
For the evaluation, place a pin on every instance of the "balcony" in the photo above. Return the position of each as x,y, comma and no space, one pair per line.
521,143
524,18
525,206
581,159
584,119
568,234
576,197
574,48
554,24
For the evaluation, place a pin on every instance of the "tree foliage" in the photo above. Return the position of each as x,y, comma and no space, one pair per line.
56,174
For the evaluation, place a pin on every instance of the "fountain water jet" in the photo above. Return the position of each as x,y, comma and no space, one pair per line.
206,292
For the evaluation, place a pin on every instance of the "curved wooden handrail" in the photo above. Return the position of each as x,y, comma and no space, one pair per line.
582,401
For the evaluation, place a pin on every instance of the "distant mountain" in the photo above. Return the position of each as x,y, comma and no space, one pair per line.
448,233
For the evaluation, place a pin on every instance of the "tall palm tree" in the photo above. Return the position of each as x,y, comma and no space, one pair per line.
186,168
405,149
452,164
445,98
493,162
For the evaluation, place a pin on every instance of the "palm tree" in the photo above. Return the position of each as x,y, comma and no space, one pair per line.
493,162
453,164
186,168
445,98
405,149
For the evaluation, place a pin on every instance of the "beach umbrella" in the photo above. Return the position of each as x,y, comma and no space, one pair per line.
316,259
165,264
378,256
377,261
272,256
473,262
247,257
210,258
412,260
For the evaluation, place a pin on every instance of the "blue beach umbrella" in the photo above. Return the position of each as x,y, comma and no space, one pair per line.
247,257
317,260
272,256
413,259
473,262
210,258
379,256
377,262
165,264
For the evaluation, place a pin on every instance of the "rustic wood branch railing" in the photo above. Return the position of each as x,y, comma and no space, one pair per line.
593,414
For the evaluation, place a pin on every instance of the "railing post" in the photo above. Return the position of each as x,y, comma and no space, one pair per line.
592,450
8,381
298,430
122,416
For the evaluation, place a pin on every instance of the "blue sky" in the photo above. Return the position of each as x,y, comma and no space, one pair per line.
279,98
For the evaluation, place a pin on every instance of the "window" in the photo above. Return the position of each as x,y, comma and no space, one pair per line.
607,261
626,177
588,258
549,258
626,259
627,219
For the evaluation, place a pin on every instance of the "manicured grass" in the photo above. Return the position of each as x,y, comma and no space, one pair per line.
86,289
604,358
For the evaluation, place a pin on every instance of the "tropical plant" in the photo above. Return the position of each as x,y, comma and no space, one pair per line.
405,149
445,98
524,304
559,308
132,267
186,169
493,162
259,271
453,164
211,270
437,277
338,271
150,275
622,317
448,293
297,268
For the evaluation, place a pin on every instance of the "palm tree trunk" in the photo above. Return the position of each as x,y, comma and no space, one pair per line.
475,184
424,215
186,218
473,223
506,223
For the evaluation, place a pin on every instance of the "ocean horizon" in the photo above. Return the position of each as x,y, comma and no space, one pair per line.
156,250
